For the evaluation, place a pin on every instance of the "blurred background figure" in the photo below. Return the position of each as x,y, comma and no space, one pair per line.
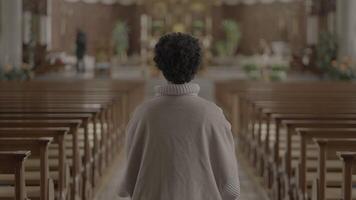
81,48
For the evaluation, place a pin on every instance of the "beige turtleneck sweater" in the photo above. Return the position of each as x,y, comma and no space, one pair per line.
179,147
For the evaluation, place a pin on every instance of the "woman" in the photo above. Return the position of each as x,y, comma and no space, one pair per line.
179,146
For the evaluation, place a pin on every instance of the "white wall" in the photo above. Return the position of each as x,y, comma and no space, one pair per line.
10,32
346,20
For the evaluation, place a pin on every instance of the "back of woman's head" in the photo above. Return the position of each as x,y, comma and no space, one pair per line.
178,56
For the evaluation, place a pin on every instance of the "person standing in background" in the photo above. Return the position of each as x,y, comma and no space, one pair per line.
81,47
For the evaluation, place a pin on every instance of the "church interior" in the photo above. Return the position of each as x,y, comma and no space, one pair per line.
72,73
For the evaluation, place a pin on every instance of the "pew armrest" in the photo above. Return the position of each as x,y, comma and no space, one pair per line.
315,189
349,159
347,155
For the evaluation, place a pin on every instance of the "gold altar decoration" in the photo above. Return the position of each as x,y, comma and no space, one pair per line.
187,16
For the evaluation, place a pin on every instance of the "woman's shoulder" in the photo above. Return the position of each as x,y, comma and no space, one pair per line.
214,113
199,106
147,106
210,106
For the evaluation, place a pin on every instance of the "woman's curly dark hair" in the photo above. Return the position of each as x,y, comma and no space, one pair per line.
178,56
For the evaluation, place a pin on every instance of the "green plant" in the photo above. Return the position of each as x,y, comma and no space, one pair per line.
157,26
278,72
345,76
120,38
279,67
15,74
277,75
198,27
250,67
326,59
254,75
198,24
252,71
275,72
326,50
342,70
228,46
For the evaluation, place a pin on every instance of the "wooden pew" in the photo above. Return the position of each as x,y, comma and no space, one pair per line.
73,125
306,136
39,149
107,104
277,120
286,168
13,162
299,94
131,92
85,118
297,125
60,164
228,93
327,150
277,142
349,159
88,157
295,110
250,105
97,111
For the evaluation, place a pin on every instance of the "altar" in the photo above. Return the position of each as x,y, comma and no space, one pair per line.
233,33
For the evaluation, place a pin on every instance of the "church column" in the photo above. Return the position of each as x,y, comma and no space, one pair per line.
346,29
11,33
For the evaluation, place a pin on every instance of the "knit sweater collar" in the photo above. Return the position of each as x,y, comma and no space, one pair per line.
177,89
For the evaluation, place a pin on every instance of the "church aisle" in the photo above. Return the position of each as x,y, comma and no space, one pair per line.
249,188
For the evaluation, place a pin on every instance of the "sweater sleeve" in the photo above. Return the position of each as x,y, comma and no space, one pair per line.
224,160
133,155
